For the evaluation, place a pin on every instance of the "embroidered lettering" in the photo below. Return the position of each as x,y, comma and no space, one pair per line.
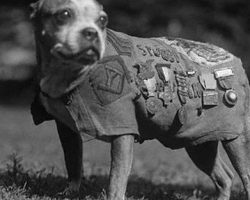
149,49
166,54
157,52
143,51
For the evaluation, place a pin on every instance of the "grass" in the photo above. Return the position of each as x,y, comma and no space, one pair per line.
36,169
19,183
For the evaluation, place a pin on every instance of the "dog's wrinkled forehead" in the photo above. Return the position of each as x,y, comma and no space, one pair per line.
83,8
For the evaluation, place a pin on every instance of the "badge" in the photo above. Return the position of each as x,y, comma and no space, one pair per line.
182,115
145,70
182,84
210,98
208,52
182,97
226,83
182,87
190,92
153,105
197,89
224,72
181,76
191,73
208,81
224,77
163,71
231,97
166,96
151,86
110,79
183,90
180,79
159,87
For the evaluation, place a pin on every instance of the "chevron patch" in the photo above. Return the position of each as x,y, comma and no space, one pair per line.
122,46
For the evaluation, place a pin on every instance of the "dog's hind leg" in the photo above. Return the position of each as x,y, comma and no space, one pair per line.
206,157
121,163
238,151
72,148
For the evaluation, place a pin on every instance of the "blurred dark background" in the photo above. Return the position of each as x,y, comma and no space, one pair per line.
223,22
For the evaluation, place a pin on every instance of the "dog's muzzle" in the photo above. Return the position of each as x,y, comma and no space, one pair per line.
88,55
89,48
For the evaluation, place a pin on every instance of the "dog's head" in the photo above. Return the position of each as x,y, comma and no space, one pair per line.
71,29
70,37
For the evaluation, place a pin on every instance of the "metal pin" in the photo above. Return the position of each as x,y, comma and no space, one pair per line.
43,32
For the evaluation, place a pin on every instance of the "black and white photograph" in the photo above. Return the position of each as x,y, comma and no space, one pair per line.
124,100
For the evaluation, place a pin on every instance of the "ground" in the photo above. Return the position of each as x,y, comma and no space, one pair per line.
32,166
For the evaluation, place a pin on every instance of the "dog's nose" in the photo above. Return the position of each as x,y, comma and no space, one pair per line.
90,34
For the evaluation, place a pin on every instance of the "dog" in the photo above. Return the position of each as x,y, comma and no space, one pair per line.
123,89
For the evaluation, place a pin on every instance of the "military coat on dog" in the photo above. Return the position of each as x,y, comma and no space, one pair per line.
178,91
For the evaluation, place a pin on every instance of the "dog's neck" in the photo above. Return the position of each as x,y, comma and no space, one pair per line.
61,78
56,76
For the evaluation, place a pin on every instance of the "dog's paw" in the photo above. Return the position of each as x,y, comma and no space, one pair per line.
69,193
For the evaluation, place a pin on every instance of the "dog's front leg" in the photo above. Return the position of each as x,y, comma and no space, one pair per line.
121,163
72,148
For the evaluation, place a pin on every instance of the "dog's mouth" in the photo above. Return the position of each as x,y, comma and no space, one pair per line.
86,56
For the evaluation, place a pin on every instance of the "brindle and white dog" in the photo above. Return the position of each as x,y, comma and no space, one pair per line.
73,43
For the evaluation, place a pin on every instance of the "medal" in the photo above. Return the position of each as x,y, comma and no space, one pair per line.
153,105
182,115
231,97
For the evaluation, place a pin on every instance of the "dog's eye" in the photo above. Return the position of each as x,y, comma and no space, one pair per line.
63,16
103,21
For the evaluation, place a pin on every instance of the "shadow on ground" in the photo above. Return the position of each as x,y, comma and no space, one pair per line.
45,184
48,185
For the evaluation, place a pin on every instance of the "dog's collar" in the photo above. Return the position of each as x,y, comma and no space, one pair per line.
45,94
65,98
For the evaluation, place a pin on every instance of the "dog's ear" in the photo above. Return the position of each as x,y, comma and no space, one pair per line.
101,6
35,8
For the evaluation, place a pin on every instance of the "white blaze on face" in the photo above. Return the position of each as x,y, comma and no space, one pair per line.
86,14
